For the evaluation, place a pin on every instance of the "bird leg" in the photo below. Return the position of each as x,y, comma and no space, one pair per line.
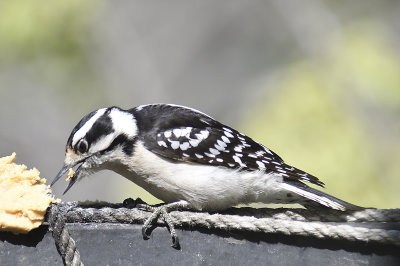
163,210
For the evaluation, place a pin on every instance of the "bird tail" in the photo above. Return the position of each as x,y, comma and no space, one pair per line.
315,196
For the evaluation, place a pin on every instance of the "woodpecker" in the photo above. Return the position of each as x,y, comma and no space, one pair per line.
188,160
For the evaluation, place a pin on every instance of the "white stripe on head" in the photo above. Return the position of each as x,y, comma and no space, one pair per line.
87,126
122,123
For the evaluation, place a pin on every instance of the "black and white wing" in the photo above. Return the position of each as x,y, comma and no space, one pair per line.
184,134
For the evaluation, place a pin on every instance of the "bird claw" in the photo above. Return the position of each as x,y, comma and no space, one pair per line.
156,212
144,233
175,242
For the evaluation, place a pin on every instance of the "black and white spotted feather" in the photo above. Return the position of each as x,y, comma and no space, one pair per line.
182,134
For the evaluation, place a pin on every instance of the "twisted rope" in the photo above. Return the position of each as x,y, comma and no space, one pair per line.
369,225
64,242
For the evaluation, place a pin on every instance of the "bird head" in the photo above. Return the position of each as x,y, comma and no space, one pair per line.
101,137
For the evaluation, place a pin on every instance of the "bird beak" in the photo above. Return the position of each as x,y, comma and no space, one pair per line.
64,169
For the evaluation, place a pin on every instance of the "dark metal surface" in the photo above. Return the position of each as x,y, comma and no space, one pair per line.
121,244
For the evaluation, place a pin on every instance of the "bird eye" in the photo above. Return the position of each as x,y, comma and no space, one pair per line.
82,146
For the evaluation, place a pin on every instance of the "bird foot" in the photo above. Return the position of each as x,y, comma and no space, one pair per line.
162,210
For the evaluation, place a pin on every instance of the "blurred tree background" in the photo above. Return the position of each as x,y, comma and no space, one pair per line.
318,82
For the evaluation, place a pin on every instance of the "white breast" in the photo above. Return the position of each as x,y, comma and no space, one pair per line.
204,187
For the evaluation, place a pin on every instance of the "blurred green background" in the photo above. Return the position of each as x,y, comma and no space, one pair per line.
318,82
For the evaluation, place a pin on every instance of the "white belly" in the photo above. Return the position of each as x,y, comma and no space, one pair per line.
204,187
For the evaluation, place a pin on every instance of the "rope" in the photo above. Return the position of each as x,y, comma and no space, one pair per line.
322,223
64,242
323,215
380,226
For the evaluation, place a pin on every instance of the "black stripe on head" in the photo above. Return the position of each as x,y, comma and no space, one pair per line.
78,126
123,141
102,127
